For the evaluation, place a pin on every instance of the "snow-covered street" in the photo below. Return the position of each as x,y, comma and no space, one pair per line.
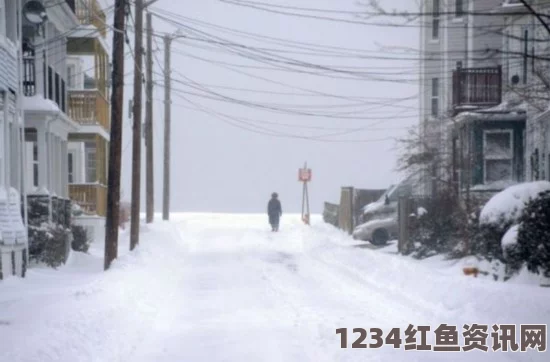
224,288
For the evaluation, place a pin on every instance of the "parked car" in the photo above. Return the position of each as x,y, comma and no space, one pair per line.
380,222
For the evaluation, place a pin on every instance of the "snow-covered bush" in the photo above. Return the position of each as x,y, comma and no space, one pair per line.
76,210
48,244
437,230
533,237
486,238
498,215
81,240
507,206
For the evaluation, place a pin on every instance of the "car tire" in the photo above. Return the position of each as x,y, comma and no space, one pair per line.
380,237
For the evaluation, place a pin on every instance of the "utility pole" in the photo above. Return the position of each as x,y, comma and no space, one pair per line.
115,148
167,111
150,190
136,146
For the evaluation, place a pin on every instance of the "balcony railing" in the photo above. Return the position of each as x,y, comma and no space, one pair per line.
480,87
89,107
89,12
90,197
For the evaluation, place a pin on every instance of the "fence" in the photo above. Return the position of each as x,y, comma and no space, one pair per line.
349,212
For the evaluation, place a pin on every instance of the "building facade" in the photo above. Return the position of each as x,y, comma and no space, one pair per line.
54,121
13,233
478,110
88,68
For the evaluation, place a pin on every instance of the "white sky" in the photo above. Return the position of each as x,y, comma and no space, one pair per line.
219,167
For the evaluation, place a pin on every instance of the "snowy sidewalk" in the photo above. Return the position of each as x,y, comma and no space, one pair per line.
224,288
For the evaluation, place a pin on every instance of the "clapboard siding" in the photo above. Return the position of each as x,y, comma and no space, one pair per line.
456,43
8,65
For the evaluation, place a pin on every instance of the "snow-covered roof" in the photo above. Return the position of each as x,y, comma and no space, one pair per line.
511,109
39,104
508,204
89,32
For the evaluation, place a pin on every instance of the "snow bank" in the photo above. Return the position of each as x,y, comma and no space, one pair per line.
509,203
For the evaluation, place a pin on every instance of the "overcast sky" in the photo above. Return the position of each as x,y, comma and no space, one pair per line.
224,103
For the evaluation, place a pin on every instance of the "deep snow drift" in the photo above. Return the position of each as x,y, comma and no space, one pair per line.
224,288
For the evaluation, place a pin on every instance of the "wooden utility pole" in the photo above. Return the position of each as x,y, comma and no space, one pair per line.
150,190
115,148
136,149
167,115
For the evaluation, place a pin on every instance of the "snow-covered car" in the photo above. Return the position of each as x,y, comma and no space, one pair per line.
377,231
380,217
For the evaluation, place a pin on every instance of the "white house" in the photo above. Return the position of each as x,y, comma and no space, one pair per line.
47,124
13,233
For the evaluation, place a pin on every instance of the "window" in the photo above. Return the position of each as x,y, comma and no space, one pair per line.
70,167
435,97
63,96
35,164
50,84
91,162
57,92
525,54
71,73
435,20
498,156
459,8
535,163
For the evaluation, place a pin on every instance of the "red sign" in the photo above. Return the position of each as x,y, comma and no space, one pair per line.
304,174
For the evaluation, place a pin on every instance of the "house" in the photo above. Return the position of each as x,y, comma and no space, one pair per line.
13,233
477,66
88,70
528,79
47,122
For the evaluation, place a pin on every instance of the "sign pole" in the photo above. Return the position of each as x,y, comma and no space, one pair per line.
304,175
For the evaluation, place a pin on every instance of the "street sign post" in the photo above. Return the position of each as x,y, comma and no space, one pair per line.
304,176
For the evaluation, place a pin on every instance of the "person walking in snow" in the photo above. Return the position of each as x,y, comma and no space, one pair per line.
274,211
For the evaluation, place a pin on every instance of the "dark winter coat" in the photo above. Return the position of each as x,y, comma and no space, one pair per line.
274,210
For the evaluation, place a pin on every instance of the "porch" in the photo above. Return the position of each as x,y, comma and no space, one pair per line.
89,12
488,152
87,172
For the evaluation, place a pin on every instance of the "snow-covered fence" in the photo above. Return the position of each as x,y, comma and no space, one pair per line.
330,213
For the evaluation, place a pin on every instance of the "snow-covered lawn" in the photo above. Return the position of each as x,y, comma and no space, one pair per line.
224,288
